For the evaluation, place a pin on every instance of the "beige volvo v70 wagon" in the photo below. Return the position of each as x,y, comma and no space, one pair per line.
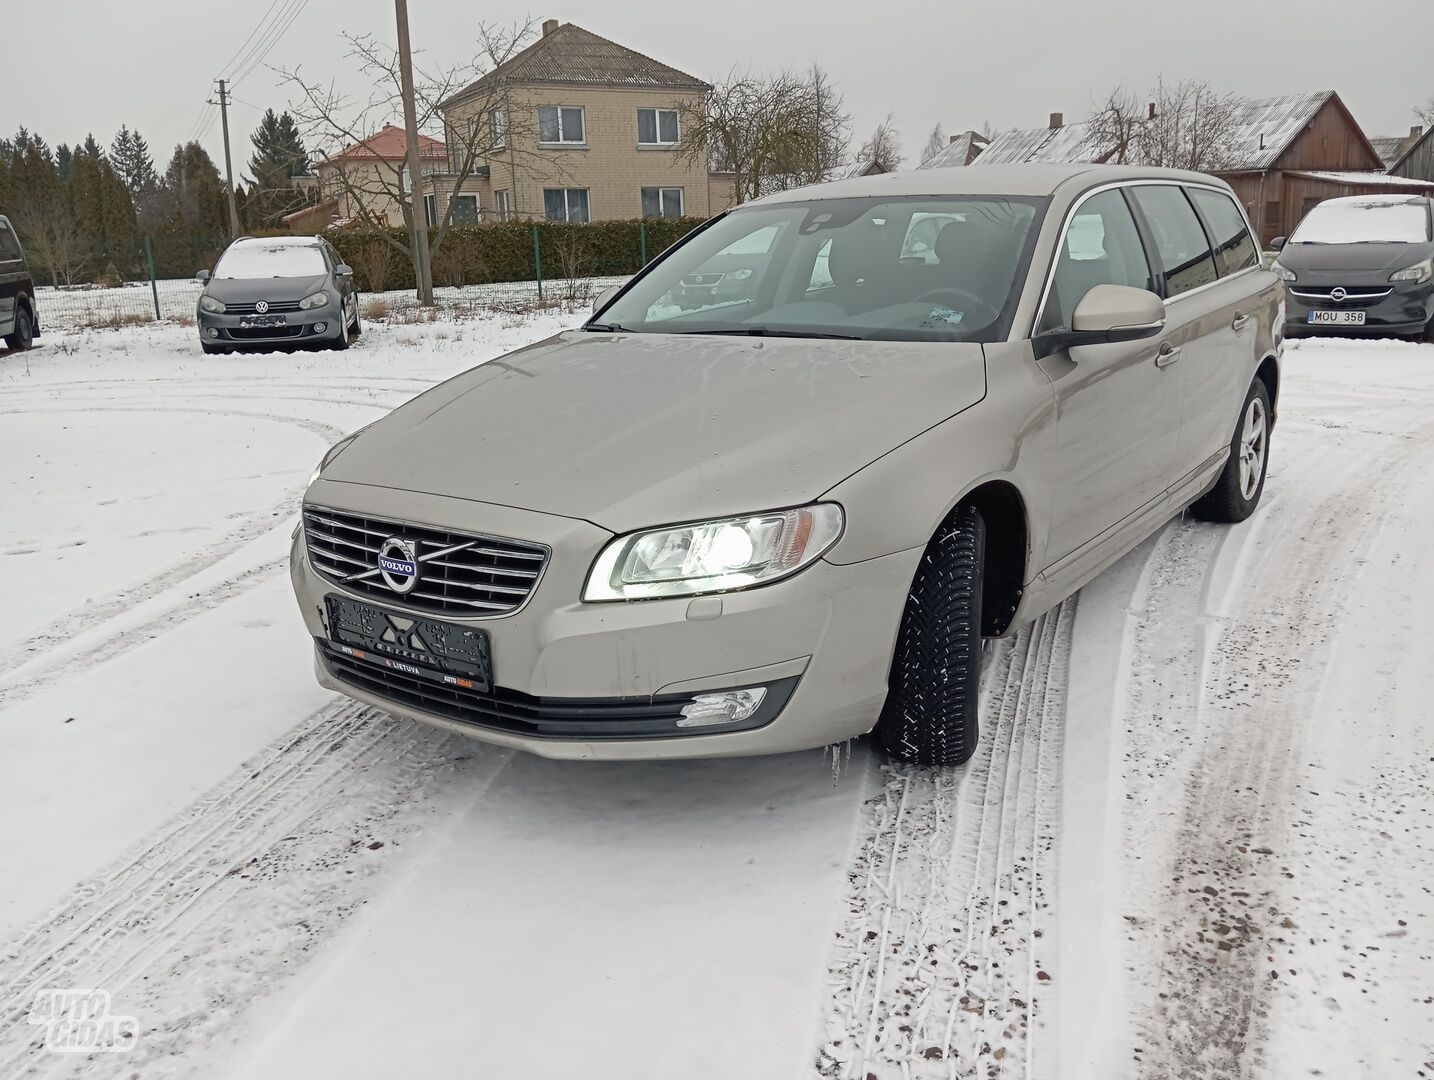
779,487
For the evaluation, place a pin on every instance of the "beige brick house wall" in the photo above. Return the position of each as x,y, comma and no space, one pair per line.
610,165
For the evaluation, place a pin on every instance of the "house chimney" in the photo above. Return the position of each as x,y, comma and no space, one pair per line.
549,25
1057,120
1415,131
951,139
1150,111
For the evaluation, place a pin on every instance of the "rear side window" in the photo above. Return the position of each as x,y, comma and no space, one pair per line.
1101,247
1180,241
9,246
1234,246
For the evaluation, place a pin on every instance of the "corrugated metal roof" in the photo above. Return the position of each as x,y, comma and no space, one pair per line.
1263,128
961,150
1388,147
1363,179
570,54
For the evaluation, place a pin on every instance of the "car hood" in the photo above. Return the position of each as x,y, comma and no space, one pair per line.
252,290
633,430
1357,257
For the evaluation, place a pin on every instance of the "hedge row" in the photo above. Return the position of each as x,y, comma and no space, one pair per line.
479,254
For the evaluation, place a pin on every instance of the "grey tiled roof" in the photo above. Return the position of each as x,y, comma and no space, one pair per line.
571,55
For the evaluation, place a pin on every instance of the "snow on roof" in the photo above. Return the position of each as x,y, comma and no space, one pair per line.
1373,179
391,144
570,54
1388,147
961,150
1263,128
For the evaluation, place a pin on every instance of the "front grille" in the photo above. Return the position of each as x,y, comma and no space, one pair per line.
276,307
1352,296
459,573
509,710
264,333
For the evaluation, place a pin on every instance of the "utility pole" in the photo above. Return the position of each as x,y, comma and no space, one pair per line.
410,126
228,166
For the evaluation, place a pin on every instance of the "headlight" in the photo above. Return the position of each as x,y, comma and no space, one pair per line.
713,556
1419,273
208,303
313,300
1282,270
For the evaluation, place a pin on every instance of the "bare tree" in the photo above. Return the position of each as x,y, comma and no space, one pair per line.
473,116
55,237
772,132
935,143
883,149
1187,125
1425,113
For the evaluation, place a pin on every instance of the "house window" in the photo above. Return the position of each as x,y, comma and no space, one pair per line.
656,127
560,125
498,120
430,210
565,204
504,211
464,209
661,202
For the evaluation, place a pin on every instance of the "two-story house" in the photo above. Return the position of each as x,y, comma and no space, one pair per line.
366,180
575,128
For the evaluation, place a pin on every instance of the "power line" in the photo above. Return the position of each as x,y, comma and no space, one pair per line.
265,34
280,29
228,64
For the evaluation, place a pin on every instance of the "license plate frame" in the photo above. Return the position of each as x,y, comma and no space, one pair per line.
460,655
262,322
1326,317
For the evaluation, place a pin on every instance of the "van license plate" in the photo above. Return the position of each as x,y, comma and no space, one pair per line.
1336,318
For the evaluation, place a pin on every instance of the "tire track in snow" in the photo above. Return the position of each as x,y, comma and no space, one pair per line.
940,964
201,918
1215,726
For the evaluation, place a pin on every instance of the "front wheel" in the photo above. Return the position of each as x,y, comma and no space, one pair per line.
24,334
930,715
1237,491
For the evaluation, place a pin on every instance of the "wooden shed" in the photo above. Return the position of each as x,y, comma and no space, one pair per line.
1417,162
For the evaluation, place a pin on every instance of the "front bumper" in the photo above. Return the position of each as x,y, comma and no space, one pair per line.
312,327
1404,309
822,640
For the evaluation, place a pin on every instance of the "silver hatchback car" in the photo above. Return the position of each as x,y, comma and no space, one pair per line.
938,404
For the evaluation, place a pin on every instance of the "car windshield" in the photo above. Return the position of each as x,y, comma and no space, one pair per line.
1365,221
256,259
902,269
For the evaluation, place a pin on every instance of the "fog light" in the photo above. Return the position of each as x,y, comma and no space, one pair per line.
320,327
213,332
727,707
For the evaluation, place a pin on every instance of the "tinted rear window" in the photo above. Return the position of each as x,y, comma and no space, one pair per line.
1234,246
9,246
1180,241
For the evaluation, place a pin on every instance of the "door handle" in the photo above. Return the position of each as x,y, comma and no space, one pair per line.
1167,355
1239,321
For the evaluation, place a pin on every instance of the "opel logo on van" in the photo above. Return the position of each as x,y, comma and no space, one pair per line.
1337,294
398,565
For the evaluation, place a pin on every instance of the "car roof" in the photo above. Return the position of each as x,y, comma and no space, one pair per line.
281,241
1368,200
1019,180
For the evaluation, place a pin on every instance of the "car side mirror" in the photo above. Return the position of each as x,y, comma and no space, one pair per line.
1108,314
202,277
344,270
604,298
1278,243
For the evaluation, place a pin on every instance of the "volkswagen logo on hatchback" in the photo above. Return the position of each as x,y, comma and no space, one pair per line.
262,306
398,565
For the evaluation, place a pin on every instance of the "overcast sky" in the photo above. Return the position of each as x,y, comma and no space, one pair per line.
76,66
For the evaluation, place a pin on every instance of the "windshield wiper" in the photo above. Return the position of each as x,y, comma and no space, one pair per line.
608,328
769,331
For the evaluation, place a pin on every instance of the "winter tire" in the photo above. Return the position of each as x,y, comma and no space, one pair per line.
1237,490
24,335
930,715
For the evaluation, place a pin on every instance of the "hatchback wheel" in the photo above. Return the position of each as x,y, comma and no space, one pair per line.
930,715
1237,491
24,334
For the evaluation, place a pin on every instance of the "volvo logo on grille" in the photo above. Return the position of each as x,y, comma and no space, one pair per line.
398,564
1337,294
262,306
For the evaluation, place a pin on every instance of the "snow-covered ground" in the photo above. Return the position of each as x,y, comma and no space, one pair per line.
1196,840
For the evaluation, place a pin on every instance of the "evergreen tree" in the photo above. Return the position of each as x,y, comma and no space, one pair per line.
192,215
278,147
63,156
90,148
129,154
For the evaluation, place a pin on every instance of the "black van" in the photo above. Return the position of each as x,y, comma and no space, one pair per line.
19,324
